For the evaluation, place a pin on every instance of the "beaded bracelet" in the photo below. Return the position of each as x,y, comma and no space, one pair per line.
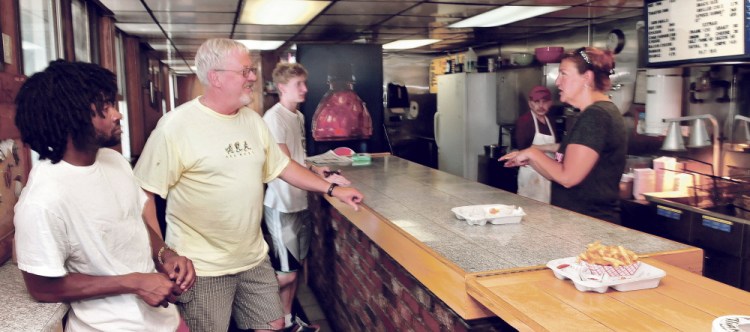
161,253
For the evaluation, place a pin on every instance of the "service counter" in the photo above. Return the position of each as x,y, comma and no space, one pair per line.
20,312
403,260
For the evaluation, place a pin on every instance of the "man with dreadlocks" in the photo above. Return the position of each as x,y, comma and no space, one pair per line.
210,158
80,231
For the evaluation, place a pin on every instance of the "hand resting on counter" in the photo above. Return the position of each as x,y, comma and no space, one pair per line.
300,177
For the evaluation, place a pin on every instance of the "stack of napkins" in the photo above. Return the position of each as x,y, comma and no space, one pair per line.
361,159
329,157
643,182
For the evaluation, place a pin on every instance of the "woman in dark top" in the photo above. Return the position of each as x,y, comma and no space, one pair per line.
590,160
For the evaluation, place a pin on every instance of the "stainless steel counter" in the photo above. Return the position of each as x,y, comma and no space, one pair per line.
19,312
675,203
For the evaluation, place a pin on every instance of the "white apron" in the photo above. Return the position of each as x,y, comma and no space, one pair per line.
530,183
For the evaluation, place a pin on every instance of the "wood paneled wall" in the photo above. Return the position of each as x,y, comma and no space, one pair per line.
9,25
14,166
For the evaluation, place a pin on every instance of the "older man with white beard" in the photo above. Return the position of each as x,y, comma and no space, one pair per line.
210,158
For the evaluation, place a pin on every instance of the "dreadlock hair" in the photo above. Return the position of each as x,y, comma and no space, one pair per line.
59,102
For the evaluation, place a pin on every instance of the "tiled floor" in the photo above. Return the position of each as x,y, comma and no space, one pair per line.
311,308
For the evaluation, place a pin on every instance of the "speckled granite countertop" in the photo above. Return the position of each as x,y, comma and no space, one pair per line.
419,200
18,311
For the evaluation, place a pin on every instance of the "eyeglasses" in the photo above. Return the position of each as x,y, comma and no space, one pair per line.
244,71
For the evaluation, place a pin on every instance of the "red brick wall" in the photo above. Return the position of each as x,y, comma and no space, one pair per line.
361,288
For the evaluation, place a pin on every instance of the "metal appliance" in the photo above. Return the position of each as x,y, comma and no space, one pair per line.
513,86
464,121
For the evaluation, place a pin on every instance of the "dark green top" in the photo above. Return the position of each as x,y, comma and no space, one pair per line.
601,128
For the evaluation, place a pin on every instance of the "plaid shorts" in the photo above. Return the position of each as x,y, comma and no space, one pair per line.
251,297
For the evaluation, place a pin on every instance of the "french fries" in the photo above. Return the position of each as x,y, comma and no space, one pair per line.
599,254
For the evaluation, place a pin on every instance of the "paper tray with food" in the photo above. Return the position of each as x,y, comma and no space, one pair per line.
601,267
496,214
645,276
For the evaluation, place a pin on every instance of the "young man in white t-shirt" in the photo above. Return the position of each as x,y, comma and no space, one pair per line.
80,234
285,206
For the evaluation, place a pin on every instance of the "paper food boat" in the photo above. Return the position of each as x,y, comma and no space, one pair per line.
645,276
612,271
496,214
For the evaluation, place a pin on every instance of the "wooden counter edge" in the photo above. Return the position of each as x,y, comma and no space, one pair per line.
690,259
418,259
505,311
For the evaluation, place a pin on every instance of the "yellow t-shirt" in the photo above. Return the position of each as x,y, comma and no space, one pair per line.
211,168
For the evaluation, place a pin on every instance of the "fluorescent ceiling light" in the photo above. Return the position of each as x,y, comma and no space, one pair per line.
281,12
505,15
261,45
409,43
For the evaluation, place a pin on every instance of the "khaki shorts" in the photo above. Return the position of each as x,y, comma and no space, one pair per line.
251,297
290,235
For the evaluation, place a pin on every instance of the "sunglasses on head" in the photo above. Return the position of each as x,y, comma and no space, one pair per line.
585,56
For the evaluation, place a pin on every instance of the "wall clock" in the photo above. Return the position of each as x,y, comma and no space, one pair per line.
616,41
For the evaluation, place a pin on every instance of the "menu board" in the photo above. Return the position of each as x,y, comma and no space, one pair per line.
680,31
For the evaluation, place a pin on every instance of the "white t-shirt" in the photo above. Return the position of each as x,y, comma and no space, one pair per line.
288,128
89,220
211,168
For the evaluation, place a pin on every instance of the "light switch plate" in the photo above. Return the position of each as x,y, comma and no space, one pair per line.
7,50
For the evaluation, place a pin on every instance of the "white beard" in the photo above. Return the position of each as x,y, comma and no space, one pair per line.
246,99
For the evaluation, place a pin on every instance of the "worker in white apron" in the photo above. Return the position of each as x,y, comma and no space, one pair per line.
530,183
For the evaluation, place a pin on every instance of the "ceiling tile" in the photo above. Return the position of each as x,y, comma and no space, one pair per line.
551,2
118,5
229,6
190,22
181,27
419,21
194,17
587,12
198,35
480,2
177,41
277,29
177,62
134,17
383,30
541,21
161,46
619,3
447,10
152,28
190,49
139,28
369,8
305,37
264,36
371,1
349,19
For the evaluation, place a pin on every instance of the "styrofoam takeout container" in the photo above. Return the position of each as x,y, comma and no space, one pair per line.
731,323
496,214
645,277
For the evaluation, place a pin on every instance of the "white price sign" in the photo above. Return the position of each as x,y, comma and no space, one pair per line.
695,29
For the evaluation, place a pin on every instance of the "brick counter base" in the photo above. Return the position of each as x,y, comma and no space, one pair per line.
361,288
